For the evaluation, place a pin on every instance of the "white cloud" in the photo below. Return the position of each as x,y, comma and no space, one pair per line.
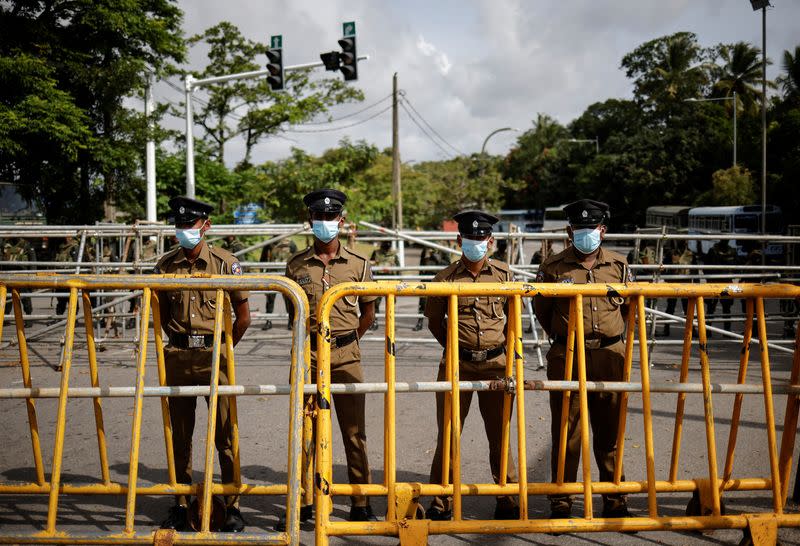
429,50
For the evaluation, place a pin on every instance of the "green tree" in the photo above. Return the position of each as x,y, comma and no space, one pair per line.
790,80
98,52
667,69
249,108
733,186
740,72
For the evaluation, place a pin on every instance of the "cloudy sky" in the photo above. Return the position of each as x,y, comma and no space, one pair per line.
468,67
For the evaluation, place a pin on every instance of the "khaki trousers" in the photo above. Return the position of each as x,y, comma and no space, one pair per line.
350,410
603,364
187,367
490,404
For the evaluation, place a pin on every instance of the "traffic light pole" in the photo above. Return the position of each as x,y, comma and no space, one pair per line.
190,84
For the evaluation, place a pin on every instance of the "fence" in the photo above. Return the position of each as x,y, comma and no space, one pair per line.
152,288
402,498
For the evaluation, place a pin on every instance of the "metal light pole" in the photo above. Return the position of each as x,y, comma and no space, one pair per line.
486,140
595,140
733,98
763,5
150,151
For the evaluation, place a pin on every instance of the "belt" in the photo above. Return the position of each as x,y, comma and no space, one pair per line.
338,341
479,356
185,341
594,343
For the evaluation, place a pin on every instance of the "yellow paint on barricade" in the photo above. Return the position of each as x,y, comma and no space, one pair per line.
81,287
760,527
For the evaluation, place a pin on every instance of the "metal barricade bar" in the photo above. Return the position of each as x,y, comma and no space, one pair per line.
710,488
150,287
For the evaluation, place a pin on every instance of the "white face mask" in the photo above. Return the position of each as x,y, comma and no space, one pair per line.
188,238
474,251
325,230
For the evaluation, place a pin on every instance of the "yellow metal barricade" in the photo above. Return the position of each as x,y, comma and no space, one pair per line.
151,286
402,506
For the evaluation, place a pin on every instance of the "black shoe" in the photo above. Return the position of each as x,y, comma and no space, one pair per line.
234,522
559,513
267,325
437,514
506,511
418,325
289,325
177,519
619,512
374,326
306,513
361,513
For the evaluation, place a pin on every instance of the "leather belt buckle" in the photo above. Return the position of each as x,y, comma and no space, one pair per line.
196,342
593,343
479,356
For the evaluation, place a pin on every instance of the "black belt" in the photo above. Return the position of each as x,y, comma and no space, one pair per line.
185,341
479,356
603,341
338,341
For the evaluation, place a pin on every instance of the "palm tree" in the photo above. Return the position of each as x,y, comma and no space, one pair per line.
740,72
790,81
678,70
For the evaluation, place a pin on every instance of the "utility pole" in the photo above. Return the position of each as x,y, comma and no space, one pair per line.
150,151
397,191
764,121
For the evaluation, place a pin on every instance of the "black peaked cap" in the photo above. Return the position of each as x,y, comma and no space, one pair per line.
325,200
185,209
475,222
587,213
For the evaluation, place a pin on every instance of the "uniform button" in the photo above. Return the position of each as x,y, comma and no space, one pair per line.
193,316
594,308
194,332
480,333
192,298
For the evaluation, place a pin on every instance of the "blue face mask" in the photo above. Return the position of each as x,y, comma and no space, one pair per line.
586,240
188,238
474,251
325,230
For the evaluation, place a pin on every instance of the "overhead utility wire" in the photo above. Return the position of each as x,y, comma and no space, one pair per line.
374,104
421,128
340,127
405,97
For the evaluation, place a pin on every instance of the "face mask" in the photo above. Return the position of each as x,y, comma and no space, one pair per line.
325,230
188,238
474,251
586,240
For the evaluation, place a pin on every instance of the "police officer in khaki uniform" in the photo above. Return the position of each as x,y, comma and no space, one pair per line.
581,263
187,317
481,350
317,268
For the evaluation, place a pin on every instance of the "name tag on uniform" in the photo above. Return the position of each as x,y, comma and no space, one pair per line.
567,280
302,281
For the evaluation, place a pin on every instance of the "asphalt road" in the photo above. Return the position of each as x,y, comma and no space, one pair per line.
263,358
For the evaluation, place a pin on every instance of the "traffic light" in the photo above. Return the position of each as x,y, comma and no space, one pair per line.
275,65
348,59
330,60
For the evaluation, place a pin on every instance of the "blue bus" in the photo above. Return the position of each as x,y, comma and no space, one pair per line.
738,219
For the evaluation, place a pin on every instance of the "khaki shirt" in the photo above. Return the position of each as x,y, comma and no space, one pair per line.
602,317
192,312
309,271
481,320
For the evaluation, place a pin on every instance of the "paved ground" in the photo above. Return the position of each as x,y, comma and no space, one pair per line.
262,358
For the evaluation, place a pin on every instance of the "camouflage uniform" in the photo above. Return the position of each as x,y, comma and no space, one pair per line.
382,257
19,250
281,252
429,256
